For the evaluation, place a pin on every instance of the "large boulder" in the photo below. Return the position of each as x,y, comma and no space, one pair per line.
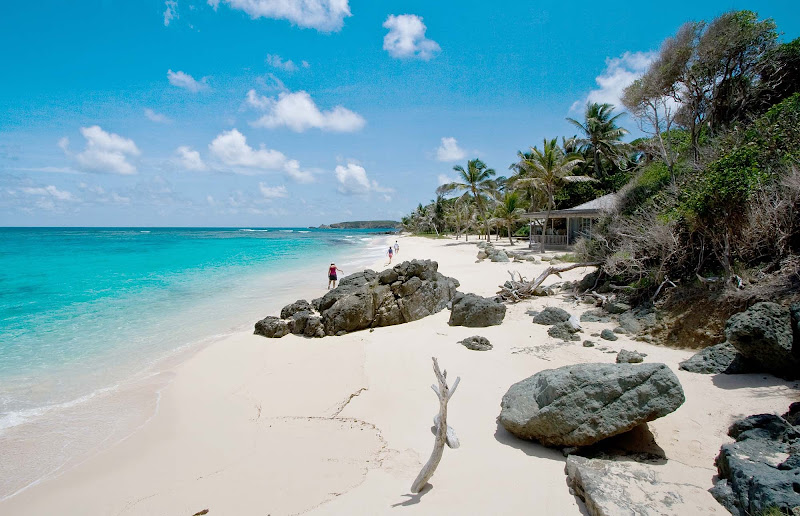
761,470
475,311
271,327
409,291
722,358
551,315
763,334
581,404
301,305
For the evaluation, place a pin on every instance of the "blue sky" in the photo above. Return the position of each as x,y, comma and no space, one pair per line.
296,112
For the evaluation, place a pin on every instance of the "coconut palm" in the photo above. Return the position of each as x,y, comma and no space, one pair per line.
547,169
601,136
510,210
476,180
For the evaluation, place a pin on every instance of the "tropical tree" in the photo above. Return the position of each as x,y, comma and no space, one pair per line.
547,169
476,180
510,210
600,135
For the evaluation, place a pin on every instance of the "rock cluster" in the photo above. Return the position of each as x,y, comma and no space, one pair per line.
763,338
487,251
581,404
475,311
761,470
407,292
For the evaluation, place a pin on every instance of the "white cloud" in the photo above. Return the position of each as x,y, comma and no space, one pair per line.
170,11
305,64
231,148
444,179
106,152
156,117
63,144
620,72
49,191
406,38
298,112
323,15
186,81
276,61
353,180
449,150
189,159
272,192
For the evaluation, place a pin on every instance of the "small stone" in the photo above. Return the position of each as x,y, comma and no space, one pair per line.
608,335
588,344
630,357
620,330
476,343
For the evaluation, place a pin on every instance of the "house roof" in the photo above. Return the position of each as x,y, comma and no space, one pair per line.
588,209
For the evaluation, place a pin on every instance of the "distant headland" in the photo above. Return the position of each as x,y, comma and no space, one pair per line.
364,224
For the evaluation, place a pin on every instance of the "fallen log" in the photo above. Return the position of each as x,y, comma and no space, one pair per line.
519,290
444,393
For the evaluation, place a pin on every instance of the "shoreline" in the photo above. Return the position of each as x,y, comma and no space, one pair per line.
132,401
341,425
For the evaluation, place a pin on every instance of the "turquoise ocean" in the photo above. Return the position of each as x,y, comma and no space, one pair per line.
84,310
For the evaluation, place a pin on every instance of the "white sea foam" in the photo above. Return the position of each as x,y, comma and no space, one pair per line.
255,230
143,231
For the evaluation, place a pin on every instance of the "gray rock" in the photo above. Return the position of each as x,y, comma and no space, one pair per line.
608,335
763,334
793,415
612,488
630,357
314,327
475,311
551,315
630,323
564,331
794,312
618,308
271,327
482,255
499,256
588,344
476,343
387,277
301,305
722,358
588,281
593,316
754,472
298,321
581,404
620,330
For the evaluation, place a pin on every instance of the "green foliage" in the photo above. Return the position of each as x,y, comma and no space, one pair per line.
650,181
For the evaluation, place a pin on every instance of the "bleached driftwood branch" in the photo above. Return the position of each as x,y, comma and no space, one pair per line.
520,290
444,433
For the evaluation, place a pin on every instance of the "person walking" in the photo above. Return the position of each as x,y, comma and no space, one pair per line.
332,275
396,247
390,254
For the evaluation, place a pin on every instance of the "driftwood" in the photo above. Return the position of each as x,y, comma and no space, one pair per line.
666,281
520,290
444,393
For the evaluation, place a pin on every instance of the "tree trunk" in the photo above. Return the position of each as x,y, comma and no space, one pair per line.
509,233
544,231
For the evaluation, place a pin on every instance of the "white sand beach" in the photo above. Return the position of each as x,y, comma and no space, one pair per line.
342,425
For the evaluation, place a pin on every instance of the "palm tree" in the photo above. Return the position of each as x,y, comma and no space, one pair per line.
601,136
477,181
510,210
546,170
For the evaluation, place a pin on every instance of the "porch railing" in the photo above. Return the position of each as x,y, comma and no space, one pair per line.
551,239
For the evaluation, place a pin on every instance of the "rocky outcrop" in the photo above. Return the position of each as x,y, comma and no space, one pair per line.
612,488
761,470
476,343
564,331
579,405
763,334
271,327
630,357
407,292
475,311
551,315
722,358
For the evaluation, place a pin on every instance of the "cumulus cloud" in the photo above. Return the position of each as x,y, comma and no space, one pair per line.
620,72
449,150
105,152
353,180
272,192
406,38
156,117
231,149
189,159
299,112
186,81
323,15
49,191
170,11
277,61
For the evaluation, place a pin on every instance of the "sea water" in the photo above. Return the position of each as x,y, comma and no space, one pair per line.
84,309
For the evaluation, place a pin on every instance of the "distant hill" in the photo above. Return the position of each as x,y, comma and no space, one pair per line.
364,224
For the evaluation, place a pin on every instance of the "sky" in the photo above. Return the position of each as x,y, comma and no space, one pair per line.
258,113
